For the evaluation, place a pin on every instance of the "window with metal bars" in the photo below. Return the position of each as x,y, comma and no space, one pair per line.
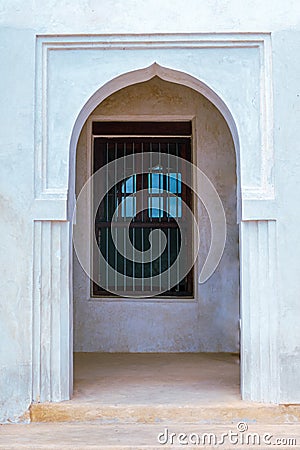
163,194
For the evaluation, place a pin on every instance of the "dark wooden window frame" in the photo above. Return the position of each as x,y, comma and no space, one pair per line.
126,132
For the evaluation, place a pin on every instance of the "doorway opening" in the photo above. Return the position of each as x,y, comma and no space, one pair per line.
197,323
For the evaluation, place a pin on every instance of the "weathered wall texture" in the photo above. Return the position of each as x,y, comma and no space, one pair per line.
21,22
210,322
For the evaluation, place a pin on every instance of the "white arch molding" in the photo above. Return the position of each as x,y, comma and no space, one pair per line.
139,76
52,348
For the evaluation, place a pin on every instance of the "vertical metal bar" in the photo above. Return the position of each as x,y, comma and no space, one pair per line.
150,187
160,259
142,180
177,265
125,183
169,257
133,263
177,229
124,218
143,214
150,213
168,183
168,217
151,265
159,182
99,236
106,258
143,265
107,218
133,211
116,228
159,217
106,186
176,180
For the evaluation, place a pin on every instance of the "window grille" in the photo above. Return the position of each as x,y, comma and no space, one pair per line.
161,206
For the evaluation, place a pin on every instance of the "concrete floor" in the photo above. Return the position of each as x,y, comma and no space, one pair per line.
125,401
156,378
77,436
155,388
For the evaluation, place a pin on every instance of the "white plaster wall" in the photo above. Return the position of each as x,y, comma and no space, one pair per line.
209,323
20,23
133,16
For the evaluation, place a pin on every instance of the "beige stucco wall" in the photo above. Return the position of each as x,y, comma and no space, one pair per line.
210,321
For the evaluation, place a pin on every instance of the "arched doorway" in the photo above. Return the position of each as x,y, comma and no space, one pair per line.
206,318
257,236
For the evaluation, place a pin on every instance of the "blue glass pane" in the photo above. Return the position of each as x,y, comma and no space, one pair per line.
155,206
155,182
129,185
174,183
128,207
174,207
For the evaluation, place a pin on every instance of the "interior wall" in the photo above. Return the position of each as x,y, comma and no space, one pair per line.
209,322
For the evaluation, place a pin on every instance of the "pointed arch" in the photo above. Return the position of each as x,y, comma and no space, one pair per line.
140,76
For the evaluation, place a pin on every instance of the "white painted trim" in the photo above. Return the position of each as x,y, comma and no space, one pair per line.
253,341
139,42
138,76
